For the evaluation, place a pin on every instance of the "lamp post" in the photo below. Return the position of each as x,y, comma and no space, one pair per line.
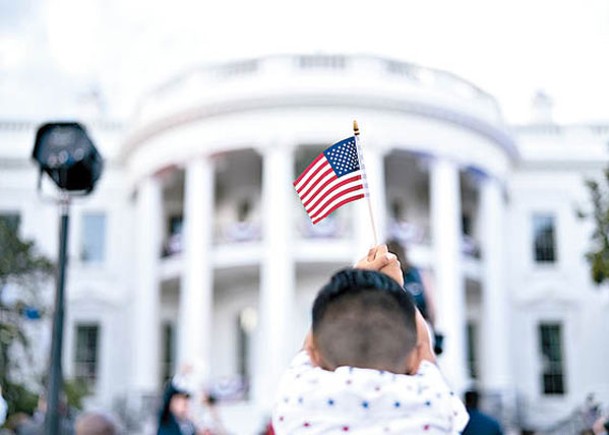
67,155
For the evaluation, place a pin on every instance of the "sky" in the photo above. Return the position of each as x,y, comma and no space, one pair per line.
54,53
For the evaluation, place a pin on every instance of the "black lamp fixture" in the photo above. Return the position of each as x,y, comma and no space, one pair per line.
66,153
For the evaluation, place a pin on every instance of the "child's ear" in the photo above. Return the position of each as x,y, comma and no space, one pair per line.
310,347
413,360
315,357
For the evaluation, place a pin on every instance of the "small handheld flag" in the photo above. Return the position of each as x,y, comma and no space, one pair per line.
332,180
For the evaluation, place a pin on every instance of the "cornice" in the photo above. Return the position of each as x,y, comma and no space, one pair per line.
194,114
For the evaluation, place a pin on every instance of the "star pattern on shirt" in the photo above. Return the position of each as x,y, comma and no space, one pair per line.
417,397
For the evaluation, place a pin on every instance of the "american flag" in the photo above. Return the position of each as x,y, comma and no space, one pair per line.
332,180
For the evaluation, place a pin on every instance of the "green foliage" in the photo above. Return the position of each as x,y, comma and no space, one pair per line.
76,390
19,262
19,399
598,254
22,266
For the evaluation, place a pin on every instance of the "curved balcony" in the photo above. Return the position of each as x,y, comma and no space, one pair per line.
238,238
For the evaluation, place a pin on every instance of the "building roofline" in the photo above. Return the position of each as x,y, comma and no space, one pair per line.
195,114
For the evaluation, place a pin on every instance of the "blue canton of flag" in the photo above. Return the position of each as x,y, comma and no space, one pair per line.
343,157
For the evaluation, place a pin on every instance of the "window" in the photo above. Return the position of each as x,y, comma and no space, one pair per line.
466,224
397,209
246,324
552,362
174,244
93,247
176,224
168,363
86,353
472,350
244,208
11,221
322,61
544,239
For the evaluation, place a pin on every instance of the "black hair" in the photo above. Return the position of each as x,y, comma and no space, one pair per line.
363,318
165,415
471,399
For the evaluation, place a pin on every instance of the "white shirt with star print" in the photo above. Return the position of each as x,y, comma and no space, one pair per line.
365,401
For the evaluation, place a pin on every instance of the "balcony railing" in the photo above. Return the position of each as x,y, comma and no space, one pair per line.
351,65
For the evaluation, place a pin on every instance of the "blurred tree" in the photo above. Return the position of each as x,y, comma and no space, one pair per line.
19,398
76,390
22,268
598,255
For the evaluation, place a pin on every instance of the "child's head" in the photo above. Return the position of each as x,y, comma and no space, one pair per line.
363,318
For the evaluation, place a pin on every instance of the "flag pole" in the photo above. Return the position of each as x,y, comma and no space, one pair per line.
360,158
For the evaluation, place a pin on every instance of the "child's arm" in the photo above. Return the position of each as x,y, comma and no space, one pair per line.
381,260
430,297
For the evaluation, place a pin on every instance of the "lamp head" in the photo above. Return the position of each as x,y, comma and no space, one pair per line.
66,153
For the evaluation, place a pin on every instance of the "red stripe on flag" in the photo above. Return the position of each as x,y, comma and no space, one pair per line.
340,204
306,171
338,185
343,193
312,186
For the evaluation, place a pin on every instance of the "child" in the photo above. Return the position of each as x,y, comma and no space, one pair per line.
367,367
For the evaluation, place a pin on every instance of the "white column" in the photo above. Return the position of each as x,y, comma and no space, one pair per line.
275,349
446,232
494,327
146,300
375,172
196,290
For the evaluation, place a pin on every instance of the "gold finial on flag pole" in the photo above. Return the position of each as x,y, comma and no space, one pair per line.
355,128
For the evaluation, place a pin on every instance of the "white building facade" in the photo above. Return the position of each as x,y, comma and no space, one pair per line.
194,248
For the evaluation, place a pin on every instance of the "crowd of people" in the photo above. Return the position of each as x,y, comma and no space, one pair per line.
174,418
367,365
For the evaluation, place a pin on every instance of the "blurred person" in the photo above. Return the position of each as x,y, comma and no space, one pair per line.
591,411
37,424
367,365
41,410
23,424
601,425
418,284
212,421
267,427
15,422
268,430
479,422
3,408
174,417
95,423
